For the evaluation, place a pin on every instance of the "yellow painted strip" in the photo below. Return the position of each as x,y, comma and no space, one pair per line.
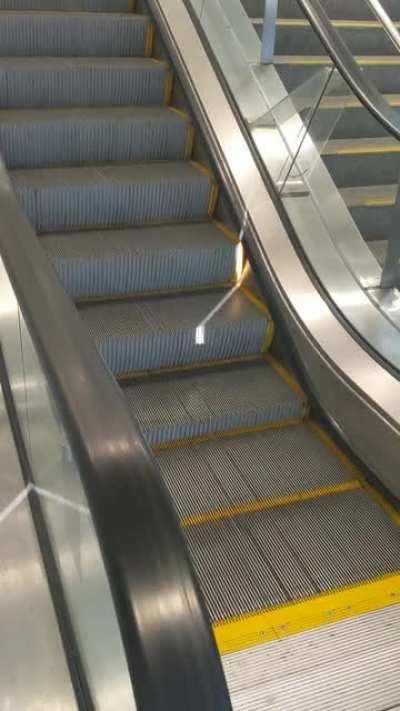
214,191
286,376
142,374
364,150
230,234
279,622
190,131
323,60
169,87
376,202
271,502
227,434
356,24
389,509
148,50
146,294
255,300
351,102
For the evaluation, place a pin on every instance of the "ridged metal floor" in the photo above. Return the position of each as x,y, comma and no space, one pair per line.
273,512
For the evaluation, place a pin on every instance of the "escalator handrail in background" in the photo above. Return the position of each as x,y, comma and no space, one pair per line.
348,67
170,649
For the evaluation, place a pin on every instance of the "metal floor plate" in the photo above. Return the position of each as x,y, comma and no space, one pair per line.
347,666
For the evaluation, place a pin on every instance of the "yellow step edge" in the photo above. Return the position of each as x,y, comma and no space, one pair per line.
357,24
138,295
286,376
151,30
363,150
277,623
201,365
269,336
379,498
322,60
270,503
227,434
352,102
214,188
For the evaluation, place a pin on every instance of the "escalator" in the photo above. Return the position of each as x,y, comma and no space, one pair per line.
109,165
361,156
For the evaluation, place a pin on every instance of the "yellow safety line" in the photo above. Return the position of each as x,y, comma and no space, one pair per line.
148,49
142,374
285,375
214,188
227,434
389,509
230,234
363,150
270,502
376,202
357,24
131,5
352,102
169,86
324,60
255,300
138,295
190,131
276,623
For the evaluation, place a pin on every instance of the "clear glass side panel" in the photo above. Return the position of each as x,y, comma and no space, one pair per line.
335,166
57,481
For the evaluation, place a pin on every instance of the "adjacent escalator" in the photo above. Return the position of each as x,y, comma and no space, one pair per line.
108,166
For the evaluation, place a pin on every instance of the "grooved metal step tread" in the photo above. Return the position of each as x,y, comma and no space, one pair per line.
136,260
256,561
161,332
341,666
35,138
190,405
83,81
113,195
73,34
370,195
226,477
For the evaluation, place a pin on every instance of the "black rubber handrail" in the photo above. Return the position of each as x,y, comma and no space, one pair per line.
170,649
343,59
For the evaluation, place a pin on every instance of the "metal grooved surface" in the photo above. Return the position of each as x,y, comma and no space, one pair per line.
161,332
196,404
112,195
349,666
249,468
305,548
140,260
63,34
83,81
36,138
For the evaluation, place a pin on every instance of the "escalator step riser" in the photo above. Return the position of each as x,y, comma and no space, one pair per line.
90,198
336,9
141,260
78,35
312,547
199,404
303,40
82,82
34,139
364,169
377,222
69,5
385,77
161,333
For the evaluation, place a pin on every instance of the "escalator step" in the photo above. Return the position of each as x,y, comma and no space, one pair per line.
159,333
221,477
40,138
55,34
336,9
363,161
255,561
211,401
113,195
137,260
83,81
374,209
68,5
